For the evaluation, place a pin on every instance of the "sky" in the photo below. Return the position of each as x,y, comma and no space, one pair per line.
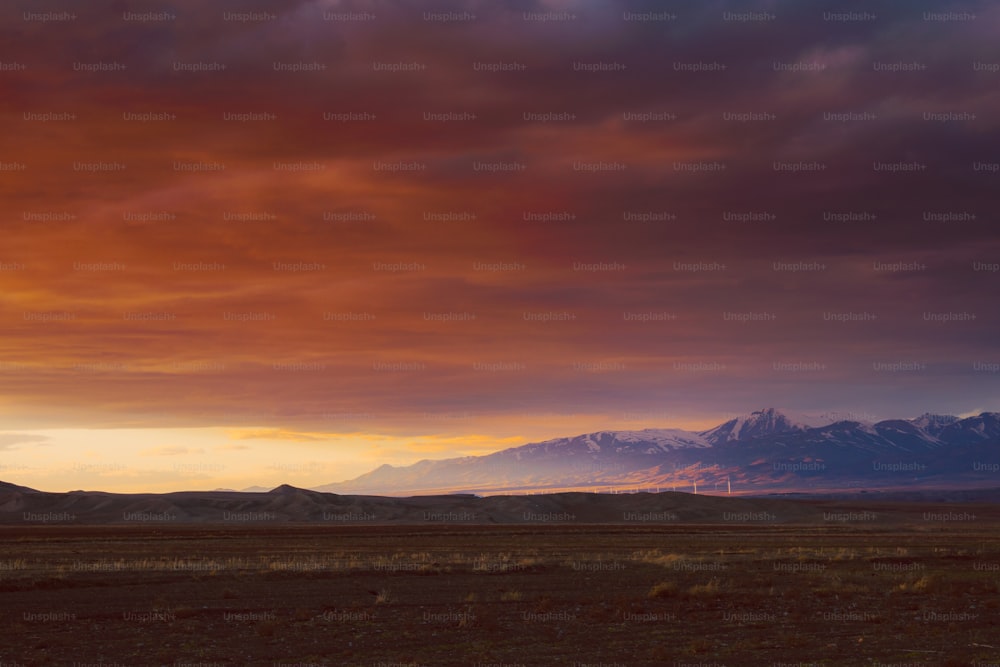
269,242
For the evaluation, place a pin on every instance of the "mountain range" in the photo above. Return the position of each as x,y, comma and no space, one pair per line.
766,451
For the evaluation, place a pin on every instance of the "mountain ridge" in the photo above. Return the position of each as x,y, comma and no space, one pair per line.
803,452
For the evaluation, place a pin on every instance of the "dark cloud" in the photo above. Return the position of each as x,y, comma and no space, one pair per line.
827,226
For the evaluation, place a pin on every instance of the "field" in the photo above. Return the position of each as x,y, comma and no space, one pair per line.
574,595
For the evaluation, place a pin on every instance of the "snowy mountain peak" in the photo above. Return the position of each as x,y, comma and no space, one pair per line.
933,424
761,423
650,439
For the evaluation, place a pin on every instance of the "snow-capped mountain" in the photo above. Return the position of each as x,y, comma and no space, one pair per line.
767,449
647,441
933,424
971,430
760,424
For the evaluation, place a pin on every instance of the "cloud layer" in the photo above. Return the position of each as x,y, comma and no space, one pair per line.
323,217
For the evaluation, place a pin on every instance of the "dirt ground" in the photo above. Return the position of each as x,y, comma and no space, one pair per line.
479,596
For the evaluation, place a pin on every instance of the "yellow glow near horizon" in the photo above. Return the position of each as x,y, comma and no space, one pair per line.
158,460
163,460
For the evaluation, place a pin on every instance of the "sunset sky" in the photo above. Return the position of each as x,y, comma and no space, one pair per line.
247,243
